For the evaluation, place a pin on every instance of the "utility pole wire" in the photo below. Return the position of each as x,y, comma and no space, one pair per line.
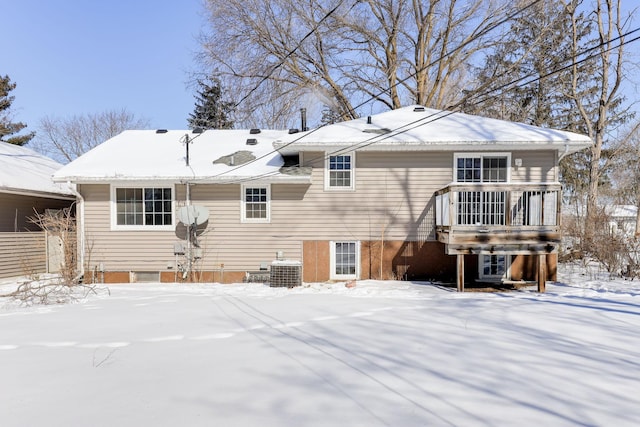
432,118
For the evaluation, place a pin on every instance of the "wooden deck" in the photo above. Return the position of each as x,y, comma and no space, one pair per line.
499,218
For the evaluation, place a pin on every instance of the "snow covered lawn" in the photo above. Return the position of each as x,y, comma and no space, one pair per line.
379,354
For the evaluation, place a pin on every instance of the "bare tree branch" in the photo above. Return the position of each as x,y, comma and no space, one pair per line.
65,139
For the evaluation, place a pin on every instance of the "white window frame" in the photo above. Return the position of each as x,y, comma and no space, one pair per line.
332,263
327,173
496,278
481,155
114,207
243,203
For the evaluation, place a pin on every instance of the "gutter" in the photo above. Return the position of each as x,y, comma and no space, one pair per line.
276,178
35,193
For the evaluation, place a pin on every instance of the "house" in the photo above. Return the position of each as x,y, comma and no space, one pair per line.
26,187
412,193
623,219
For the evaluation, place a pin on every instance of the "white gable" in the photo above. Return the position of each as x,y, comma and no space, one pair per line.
23,170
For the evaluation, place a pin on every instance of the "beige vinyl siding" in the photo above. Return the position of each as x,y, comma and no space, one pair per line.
16,209
537,166
137,250
239,246
22,254
393,200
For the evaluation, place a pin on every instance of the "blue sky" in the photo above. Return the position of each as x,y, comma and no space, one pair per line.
75,56
79,56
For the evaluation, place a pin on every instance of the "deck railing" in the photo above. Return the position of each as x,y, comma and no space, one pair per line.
498,215
498,205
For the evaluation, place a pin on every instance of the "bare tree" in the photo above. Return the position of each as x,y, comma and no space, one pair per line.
345,54
68,286
624,173
603,90
65,139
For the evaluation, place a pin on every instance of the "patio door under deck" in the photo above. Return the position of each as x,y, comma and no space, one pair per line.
493,267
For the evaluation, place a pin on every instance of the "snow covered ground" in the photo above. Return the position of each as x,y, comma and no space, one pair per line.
379,354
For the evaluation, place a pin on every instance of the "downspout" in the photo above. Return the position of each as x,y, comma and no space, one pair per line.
189,247
566,151
79,230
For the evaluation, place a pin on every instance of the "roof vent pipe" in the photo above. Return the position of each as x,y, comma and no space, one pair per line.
368,120
303,118
254,131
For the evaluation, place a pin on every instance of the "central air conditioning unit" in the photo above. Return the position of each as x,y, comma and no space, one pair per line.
285,273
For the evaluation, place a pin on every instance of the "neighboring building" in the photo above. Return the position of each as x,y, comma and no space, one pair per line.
395,195
622,219
26,187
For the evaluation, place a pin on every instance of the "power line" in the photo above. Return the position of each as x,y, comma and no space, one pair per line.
443,113
484,32
379,138
371,98
450,110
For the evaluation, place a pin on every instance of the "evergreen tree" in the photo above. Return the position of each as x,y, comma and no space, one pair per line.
7,127
211,112
520,78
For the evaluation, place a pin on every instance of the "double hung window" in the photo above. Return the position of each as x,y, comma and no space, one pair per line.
340,172
256,203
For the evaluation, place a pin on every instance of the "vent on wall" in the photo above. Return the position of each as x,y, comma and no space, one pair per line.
285,274
144,276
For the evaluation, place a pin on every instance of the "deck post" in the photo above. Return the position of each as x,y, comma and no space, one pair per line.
542,274
460,271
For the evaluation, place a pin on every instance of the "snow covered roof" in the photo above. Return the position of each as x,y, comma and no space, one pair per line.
223,155
622,211
218,155
23,170
417,128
